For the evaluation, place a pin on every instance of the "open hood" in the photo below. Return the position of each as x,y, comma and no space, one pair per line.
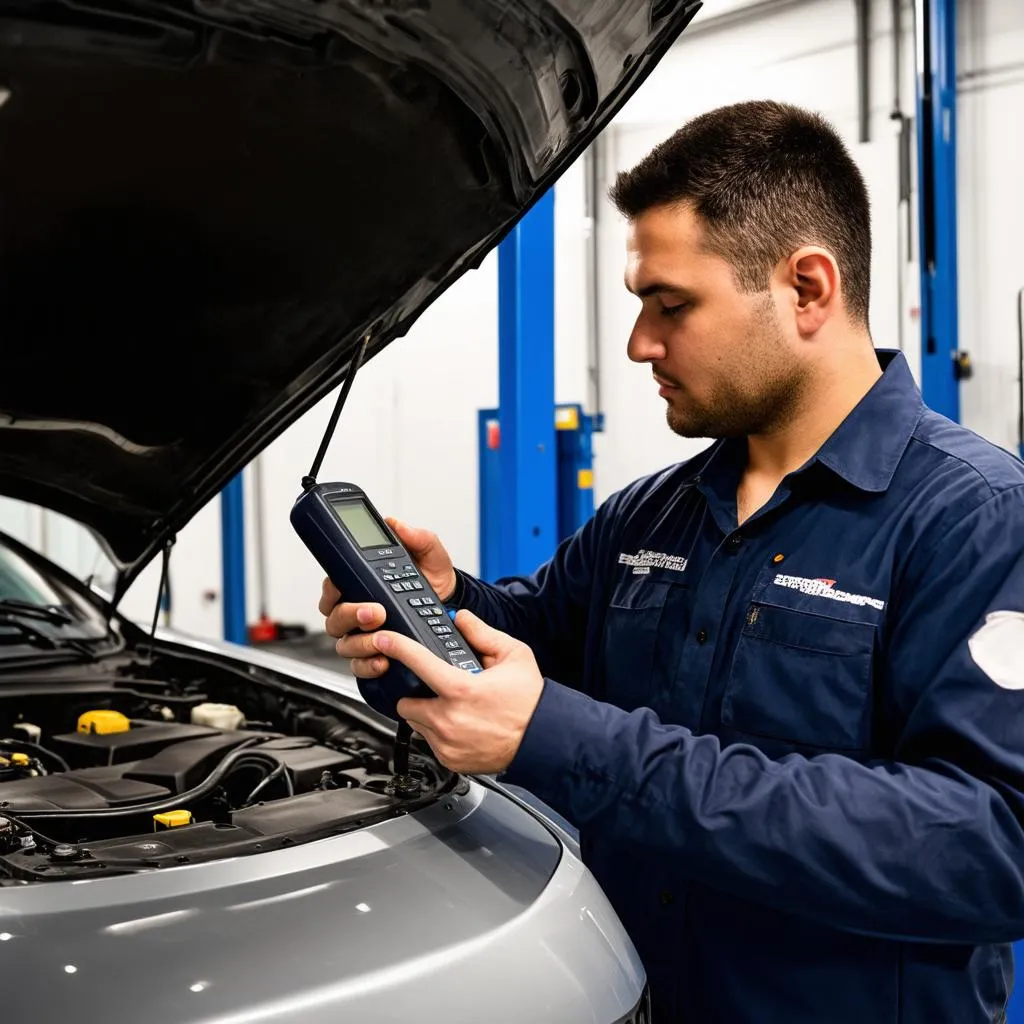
206,204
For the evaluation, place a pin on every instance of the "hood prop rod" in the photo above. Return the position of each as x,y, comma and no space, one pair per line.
404,783
165,567
355,362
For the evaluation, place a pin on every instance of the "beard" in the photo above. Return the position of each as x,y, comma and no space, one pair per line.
760,396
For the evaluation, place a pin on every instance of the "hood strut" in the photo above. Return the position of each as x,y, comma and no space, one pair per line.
164,570
309,480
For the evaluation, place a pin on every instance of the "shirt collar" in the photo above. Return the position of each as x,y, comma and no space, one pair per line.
864,449
867,446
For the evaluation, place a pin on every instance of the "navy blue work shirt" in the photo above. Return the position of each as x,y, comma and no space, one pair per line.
795,748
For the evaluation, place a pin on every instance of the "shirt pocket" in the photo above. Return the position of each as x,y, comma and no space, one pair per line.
802,678
631,642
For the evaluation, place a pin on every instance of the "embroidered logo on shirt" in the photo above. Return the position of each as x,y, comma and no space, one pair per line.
826,588
644,561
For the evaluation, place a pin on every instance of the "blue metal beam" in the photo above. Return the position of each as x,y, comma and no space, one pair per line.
936,172
526,391
232,540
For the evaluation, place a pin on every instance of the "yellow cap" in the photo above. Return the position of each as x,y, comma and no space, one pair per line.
171,819
567,417
103,722
19,759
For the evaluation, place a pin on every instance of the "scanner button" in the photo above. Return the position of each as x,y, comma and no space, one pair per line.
392,565
407,586
431,622
437,611
425,612
408,567
452,645
417,585
396,587
441,630
457,652
415,601
388,576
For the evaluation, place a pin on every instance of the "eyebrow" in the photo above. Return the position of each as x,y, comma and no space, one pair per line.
660,287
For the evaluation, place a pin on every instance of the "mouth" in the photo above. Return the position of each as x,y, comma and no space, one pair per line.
664,386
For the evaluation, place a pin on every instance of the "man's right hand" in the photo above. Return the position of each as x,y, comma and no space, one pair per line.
355,623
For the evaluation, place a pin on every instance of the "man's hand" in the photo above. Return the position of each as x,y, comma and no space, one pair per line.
343,619
477,720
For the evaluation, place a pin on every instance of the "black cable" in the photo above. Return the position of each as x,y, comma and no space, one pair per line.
28,747
171,803
275,774
403,739
354,363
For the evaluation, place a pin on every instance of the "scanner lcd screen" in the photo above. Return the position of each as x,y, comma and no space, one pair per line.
361,523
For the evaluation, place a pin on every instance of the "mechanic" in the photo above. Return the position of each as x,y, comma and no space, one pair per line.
777,687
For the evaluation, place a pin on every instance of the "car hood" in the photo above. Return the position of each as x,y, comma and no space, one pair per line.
206,206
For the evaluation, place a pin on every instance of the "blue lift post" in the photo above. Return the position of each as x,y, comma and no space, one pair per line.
232,541
936,137
936,170
574,480
526,521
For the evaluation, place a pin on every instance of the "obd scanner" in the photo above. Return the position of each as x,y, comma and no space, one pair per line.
365,560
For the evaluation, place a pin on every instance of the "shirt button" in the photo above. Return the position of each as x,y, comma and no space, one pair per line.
735,541
702,636
666,898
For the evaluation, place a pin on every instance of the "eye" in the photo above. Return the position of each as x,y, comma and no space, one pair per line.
674,310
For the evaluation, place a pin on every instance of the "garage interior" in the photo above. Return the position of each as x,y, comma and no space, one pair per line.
508,412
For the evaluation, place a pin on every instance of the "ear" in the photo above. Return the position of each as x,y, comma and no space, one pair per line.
812,275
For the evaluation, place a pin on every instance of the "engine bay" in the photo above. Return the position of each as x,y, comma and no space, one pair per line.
174,759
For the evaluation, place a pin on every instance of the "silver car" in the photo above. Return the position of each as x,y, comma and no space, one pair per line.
206,204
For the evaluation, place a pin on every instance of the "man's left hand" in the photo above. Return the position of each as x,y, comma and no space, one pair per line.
477,720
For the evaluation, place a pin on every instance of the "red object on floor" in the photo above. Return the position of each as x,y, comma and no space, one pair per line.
263,631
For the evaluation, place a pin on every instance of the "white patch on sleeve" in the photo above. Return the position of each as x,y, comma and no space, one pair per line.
998,649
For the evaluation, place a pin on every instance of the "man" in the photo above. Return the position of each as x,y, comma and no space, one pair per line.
777,687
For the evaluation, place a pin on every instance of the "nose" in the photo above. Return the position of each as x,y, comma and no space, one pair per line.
644,345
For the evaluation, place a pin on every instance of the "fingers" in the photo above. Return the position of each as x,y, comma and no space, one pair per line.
330,595
357,645
349,617
416,541
369,668
442,678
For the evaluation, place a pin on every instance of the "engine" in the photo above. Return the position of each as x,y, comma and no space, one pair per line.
143,774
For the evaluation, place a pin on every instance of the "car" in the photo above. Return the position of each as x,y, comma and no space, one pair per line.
206,206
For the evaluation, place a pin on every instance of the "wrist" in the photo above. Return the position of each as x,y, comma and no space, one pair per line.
447,592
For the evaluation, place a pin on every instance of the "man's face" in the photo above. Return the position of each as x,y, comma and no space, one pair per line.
721,357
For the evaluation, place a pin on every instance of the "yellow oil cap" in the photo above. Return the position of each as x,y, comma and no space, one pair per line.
171,819
103,722
21,759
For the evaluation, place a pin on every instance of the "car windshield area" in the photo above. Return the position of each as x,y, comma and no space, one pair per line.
38,614
20,583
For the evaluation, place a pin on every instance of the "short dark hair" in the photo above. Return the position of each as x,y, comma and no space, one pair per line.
764,178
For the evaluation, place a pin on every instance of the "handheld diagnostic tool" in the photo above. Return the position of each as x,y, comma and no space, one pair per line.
366,562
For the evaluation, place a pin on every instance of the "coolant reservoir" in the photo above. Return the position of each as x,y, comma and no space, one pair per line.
218,716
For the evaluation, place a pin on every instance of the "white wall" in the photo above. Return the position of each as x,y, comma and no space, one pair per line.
446,368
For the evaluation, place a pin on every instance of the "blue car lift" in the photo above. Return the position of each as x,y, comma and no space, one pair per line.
943,365
535,460
232,566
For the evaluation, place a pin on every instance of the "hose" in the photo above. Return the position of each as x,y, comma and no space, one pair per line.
237,756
